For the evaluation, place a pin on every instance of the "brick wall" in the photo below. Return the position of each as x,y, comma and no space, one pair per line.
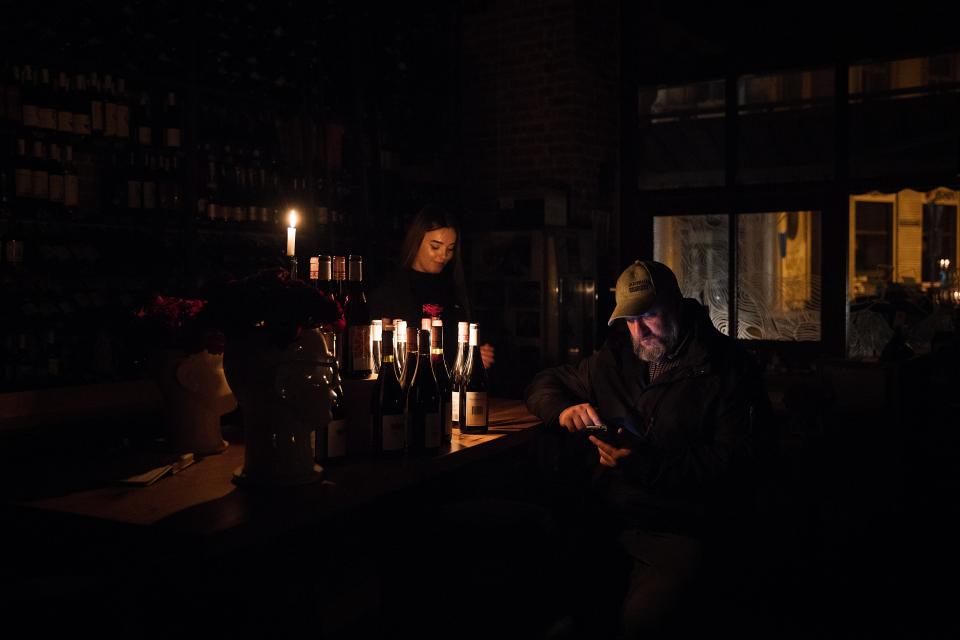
539,102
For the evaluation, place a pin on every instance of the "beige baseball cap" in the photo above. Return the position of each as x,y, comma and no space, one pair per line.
641,285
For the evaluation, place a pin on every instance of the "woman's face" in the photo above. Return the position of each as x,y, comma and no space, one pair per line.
436,250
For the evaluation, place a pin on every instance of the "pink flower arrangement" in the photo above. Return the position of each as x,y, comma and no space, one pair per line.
271,304
178,323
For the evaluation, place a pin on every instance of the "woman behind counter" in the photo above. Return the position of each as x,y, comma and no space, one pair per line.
431,273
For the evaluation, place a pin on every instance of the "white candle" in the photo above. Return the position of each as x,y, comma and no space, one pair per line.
292,234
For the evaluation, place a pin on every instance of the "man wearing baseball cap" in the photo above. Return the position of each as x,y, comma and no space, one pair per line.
675,415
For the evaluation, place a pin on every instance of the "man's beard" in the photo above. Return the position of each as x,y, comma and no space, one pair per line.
661,345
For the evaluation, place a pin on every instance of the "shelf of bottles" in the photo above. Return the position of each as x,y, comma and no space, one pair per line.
87,177
111,191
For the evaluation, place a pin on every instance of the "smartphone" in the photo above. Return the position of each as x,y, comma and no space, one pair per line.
596,429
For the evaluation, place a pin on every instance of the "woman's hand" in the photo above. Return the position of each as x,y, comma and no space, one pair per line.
486,354
610,455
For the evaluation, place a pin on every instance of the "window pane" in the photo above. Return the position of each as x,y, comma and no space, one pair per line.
697,249
786,124
778,276
904,115
903,252
873,246
939,240
681,136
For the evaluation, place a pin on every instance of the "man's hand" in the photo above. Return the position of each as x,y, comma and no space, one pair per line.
610,455
578,416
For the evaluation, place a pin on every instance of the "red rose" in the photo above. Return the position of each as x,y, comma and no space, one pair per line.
432,310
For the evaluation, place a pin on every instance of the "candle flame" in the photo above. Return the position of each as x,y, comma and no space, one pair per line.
292,217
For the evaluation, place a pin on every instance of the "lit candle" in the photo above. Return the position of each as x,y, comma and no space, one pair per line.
292,233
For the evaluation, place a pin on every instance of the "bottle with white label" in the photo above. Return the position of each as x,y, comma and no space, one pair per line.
473,391
456,376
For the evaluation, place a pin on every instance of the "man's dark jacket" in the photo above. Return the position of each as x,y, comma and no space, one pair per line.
698,432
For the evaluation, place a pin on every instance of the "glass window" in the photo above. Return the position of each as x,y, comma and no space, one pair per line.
903,253
871,233
904,115
681,135
778,270
697,249
786,124
778,276
939,236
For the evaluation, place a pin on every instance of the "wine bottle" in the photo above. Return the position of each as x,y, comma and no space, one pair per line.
357,316
424,426
442,375
330,443
96,105
56,176
339,266
23,170
463,341
376,342
171,122
80,104
62,99
71,183
41,173
388,424
109,108
143,117
473,396
134,184
123,110
149,181
325,274
28,99
410,357
400,344
12,101
46,103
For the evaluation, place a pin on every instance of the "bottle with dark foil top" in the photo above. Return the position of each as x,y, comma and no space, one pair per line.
388,428
424,426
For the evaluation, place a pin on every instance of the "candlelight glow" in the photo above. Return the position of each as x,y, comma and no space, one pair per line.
292,233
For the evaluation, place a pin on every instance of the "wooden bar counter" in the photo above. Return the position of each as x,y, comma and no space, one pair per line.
203,504
332,558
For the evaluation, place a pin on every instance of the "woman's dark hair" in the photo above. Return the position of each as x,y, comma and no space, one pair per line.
431,218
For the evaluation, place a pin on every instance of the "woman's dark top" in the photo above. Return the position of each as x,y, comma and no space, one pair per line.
404,293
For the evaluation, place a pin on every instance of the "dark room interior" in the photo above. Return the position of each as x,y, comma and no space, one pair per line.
205,212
